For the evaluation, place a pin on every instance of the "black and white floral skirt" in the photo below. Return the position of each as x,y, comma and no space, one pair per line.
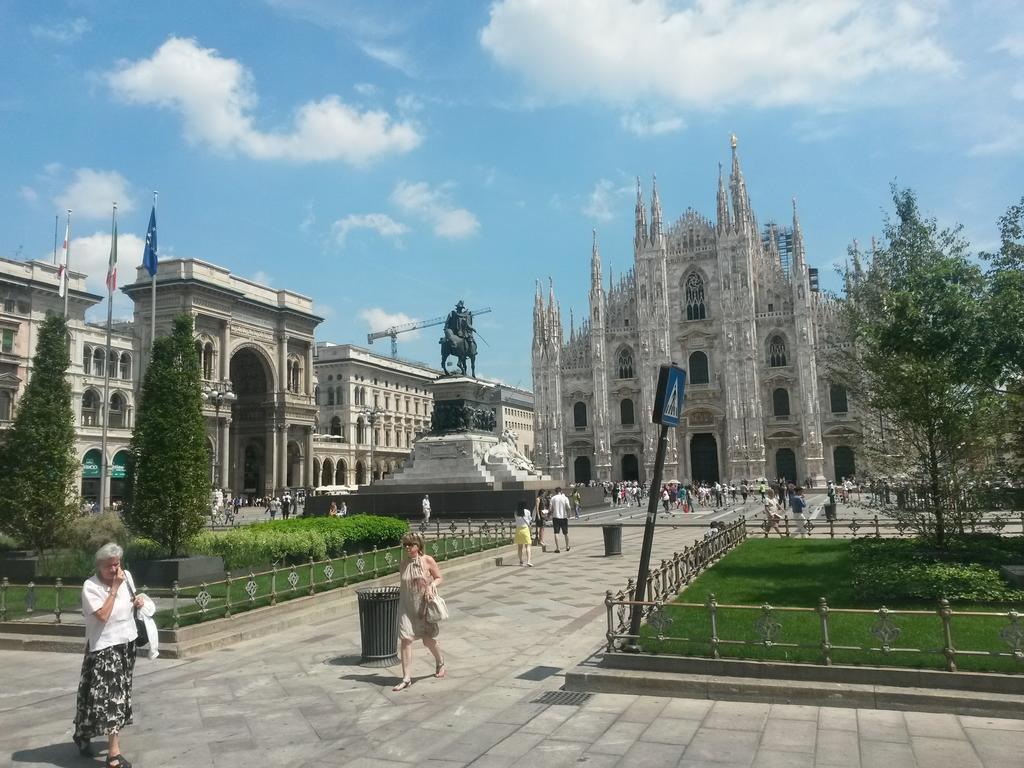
105,692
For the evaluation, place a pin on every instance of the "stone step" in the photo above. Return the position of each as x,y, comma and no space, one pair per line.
593,679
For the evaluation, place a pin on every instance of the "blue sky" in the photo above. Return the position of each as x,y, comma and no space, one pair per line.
388,158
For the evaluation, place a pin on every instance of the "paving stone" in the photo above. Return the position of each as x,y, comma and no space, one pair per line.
552,754
770,758
647,755
584,726
724,746
993,723
687,709
737,715
945,753
837,748
882,725
994,745
667,730
943,726
837,719
793,712
886,754
644,710
516,744
619,737
790,736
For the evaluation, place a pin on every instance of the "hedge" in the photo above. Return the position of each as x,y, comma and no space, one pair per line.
299,540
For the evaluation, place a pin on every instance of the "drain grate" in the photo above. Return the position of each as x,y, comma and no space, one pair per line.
570,698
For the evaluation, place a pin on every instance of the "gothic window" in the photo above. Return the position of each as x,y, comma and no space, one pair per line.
97,362
126,366
698,373
116,417
625,364
579,415
626,412
341,395
837,398
780,402
777,352
90,408
336,425
112,365
208,360
695,309
360,431
330,396
87,360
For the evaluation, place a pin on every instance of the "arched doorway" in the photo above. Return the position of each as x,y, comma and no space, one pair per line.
341,473
785,464
316,472
704,458
360,473
91,475
843,462
630,467
118,473
328,473
294,478
581,469
251,415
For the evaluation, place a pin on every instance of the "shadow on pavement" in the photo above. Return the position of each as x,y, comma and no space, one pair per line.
63,755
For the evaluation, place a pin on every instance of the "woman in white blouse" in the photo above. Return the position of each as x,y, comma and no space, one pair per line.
104,704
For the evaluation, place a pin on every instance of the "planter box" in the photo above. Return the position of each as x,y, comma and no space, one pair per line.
19,570
187,571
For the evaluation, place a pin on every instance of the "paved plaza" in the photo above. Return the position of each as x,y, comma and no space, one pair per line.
300,699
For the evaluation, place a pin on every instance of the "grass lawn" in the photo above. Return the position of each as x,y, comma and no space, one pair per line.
796,573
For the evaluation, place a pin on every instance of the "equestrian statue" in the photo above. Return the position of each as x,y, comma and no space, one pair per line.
458,340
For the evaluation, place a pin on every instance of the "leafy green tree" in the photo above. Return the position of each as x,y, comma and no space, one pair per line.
922,357
168,488
38,462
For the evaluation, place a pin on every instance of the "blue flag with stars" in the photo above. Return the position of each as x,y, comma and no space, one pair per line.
149,255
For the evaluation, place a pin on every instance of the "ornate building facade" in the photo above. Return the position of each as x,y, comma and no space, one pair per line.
746,321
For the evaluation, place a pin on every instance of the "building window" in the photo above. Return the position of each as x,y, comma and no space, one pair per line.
126,366
837,398
695,309
360,431
698,373
87,360
780,402
7,342
579,415
625,364
330,396
6,402
97,362
336,425
777,352
341,395
90,408
626,412
116,417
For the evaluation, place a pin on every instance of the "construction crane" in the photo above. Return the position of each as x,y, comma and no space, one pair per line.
394,330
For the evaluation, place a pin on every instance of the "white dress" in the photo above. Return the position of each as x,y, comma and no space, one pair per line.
411,624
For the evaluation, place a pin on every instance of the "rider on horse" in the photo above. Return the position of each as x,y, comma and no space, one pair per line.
459,324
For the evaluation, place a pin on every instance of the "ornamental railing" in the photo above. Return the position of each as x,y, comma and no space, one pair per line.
241,589
766,632
1010,524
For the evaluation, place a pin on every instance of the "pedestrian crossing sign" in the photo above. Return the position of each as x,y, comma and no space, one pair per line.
668,401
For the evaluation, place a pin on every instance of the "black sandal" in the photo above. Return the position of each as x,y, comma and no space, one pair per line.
118,761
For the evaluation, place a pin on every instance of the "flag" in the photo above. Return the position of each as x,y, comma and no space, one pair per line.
112,268
149,255
62,271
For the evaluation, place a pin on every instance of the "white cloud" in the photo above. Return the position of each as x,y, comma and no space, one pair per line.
261,277
714,53
28,194
393,57
215,98
91,254
378,319
64,31
1012,45
434,206
604,200
383,224
1007,141
365,89
644,125
92,193
408,103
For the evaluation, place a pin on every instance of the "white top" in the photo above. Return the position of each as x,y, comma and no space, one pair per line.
523,518
119,628
559,506
426,504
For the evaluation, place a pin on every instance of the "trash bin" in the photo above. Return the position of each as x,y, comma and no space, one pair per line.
378,626
612,539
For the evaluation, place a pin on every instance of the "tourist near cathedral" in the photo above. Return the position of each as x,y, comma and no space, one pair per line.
738,306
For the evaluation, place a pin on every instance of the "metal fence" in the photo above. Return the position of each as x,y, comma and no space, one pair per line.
243,590
876,526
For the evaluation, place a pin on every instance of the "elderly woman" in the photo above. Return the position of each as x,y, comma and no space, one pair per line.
105,690
420,577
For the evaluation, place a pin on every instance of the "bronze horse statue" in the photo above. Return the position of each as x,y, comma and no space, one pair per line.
462,349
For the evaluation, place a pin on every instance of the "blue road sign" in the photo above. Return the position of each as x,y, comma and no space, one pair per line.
668,401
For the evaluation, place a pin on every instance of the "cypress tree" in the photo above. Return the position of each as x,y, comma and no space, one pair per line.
38,461
168,489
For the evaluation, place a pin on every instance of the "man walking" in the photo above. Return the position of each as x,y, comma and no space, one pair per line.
560,517
426,508
286,506
799,507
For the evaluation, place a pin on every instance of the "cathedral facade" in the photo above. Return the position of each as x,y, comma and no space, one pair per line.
738,308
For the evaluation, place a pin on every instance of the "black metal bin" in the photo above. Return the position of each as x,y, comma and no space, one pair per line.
612,539
378,626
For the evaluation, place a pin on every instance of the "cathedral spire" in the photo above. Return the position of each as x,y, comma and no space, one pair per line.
539,330
554,314
723,202
740,201
656,227
595,265
799,255
640,240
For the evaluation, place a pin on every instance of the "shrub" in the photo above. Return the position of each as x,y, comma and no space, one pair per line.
7,543
90,532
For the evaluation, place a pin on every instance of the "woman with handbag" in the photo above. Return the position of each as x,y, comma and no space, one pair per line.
104,703
420,607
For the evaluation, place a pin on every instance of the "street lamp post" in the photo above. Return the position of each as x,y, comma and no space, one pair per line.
218,394
372,415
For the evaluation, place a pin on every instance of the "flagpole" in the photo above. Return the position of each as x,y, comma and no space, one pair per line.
56,223
106,361
67,266
152,295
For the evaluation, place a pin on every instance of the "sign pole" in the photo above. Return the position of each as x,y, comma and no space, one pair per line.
668,407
